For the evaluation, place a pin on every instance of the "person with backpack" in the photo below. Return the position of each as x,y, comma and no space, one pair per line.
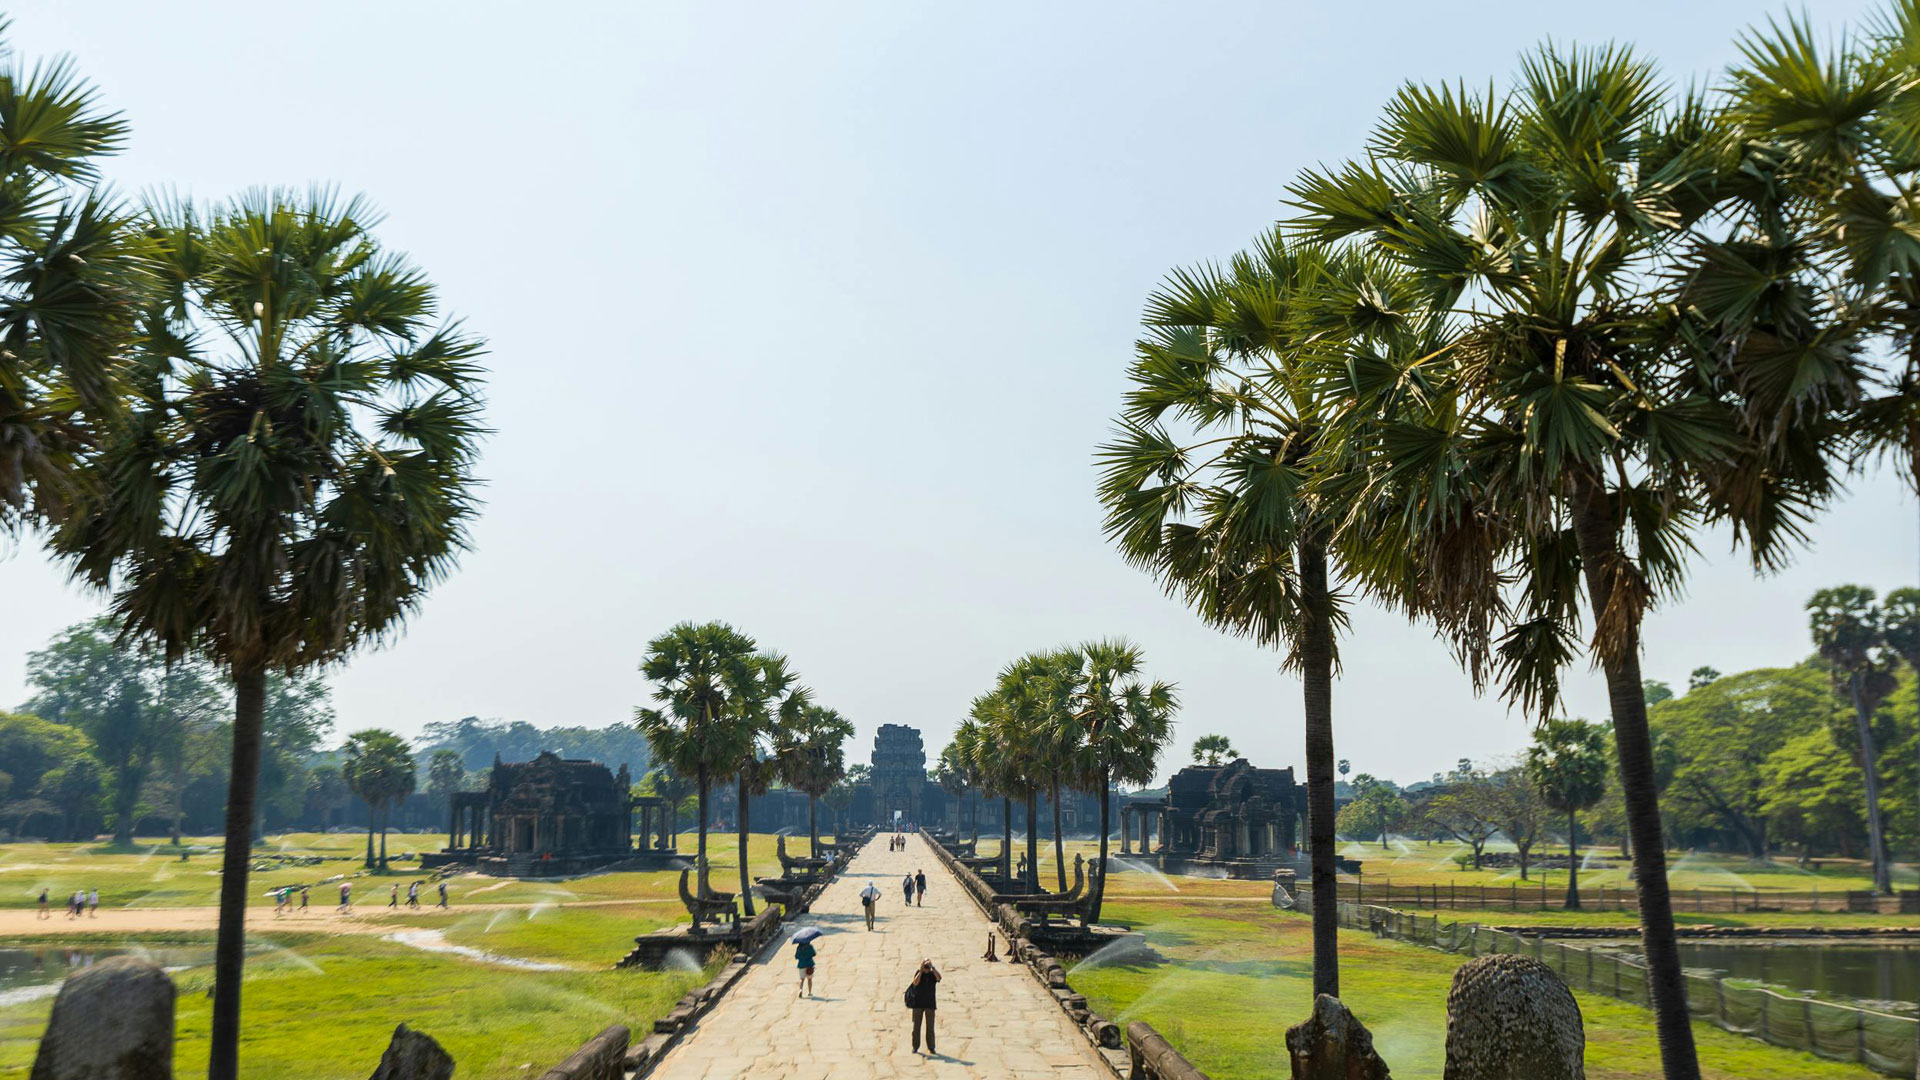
869,897
923,999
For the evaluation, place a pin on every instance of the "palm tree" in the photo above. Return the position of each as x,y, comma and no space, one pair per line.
72,275
706,678
1031,727
1213,750
380,769
1576,419
811,753
1849,633
986,770
1900,615
1205,487
295,470
1127,723
777,700
1568,765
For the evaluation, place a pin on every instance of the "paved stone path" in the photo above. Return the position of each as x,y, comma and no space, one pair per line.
994,1019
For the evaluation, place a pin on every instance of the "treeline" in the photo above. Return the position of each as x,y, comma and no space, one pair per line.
113,738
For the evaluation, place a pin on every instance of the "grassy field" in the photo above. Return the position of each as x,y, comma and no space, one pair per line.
324,992
1241,973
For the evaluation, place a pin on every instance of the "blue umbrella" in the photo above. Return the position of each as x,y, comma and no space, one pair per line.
805,934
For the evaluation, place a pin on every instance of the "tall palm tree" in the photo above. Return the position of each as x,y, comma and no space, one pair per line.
1205,487
380,769
778,700
1901,615
1127,722
1571,424
1212,750
72,276
1029,722
706,678
1567,764
1849,633
294,472
986,769
811,752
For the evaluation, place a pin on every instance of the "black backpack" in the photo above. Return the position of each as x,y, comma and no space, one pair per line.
913,995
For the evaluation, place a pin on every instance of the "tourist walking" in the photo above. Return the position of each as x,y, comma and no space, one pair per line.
346,896
44,912
443,894
922,998
303,899
393,897
76,902
906,887
919,887
803,954
869,897
279,902
413,894
93,903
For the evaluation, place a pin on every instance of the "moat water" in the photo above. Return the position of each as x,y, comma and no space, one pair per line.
1868,971
30,972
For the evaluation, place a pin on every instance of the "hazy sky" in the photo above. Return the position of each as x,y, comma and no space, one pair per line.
809,317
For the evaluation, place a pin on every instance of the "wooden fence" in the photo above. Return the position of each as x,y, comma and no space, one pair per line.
1537,895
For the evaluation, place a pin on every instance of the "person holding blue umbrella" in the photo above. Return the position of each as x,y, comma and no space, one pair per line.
803,952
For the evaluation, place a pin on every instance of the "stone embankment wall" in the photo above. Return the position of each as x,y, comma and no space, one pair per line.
1138,1053
1882,1042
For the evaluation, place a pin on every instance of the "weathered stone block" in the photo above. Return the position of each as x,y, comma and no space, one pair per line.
112,1021
1333,1045
411,1055
1511,1018
602,1057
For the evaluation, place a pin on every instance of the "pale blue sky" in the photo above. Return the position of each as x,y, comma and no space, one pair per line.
809,317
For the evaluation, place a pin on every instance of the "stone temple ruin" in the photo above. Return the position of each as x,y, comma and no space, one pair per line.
1232,818
547,817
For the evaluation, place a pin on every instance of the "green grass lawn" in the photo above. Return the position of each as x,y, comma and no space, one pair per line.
324,1005
324,1008
1240,974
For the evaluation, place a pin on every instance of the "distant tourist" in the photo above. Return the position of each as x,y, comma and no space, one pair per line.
919,887
906,886
803,955
279,902
922,998
346,896
443,894
75,902
303,899
869,897
413,894
93,903
45,913
393,897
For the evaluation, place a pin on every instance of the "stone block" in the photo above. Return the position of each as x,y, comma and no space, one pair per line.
1510,1017
602,1057
411,1055
112,1021
1333,1045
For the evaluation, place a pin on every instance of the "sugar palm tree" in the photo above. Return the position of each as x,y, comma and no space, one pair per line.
706,679
1127,724
1205,487
811,752
72,275
1901,615
986,769
381,770
1569,426
1213,750
1849,633
777,700
294,471
1567,764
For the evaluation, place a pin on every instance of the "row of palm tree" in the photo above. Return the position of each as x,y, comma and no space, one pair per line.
728,710
1499,372
1081,718
247,424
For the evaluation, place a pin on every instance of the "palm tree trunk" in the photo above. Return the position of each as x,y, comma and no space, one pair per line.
813,829
1876,835
179,797
229,958
1006,839
1106,822
1033,840
371,823
700,857
1316,676
740,823
386,817
1059,842
1633,745
1573,861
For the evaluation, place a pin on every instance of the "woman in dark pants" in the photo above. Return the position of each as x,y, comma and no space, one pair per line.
923,998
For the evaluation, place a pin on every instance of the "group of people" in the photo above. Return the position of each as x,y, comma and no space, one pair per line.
83,902
897,842
922,997
393,896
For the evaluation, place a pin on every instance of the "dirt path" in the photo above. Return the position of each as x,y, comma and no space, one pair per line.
365,919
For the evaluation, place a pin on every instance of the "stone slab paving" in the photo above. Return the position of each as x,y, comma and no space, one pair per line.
994,1019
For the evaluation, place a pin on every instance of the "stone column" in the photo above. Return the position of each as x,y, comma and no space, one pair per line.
1125,844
